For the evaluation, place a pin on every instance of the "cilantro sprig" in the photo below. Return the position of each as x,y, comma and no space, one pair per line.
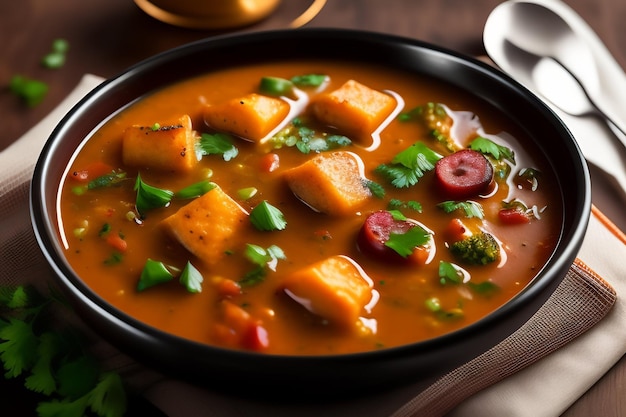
489,147
469,208
54,362
266,217
408,166
405,243
263,259
217,144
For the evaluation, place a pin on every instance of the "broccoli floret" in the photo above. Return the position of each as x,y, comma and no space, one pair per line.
477,249
436,119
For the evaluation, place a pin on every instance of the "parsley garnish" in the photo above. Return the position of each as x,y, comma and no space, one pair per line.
395,204
470,208
266,217
218,144
307,140
404,243
375,188
489,147
196,190
408,166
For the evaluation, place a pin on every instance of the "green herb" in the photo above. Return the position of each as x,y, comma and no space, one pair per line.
408,166
376,189
149,197
31,91
54,362
191,278
196,190
489,147
153,273
470,208
309,80
395,204
263,259
107,180
404,243
114,259
426,112
450,273
307,140
266,217
276,86
56,58
485,288
218,144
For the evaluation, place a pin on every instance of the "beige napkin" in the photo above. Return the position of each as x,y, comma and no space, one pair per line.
545,388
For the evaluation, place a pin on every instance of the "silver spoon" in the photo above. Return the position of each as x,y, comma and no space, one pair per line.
540,28
595,137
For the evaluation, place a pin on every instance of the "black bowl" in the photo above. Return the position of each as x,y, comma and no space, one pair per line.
203,363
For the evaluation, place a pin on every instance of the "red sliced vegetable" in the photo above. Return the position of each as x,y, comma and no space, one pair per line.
513,216
464,174
375,233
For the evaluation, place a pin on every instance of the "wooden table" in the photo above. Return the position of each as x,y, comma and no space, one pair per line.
106,36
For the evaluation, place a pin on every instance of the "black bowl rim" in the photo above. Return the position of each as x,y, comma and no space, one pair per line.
44,228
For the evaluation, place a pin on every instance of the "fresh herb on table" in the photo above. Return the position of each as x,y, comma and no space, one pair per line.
52,361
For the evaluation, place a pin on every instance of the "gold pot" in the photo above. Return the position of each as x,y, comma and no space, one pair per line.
208,14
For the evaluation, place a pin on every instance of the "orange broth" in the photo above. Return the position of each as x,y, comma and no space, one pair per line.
400,314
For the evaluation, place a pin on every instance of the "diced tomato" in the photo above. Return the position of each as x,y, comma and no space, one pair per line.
255,338
513,216
464,173
270,162
115,240
94,170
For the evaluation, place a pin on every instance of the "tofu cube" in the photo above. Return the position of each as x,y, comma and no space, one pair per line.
335,288
168,147
251,117
206,226
354,109
331,183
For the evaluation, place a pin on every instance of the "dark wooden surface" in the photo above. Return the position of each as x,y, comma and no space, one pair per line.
106,36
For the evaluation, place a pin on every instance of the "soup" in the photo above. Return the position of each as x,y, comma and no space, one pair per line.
308,208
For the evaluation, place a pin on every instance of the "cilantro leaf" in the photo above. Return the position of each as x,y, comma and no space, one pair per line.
196,190
149,197
108,398
263,259
404,243
450,273
470,208
266,217
65,408
18,349
191,278
77,376
376,189
153,273
489,147
408,166
42,378
218,144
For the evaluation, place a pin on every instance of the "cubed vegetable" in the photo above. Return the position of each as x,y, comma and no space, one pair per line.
206,225
355,109
167,147
332,183
335,289
251,117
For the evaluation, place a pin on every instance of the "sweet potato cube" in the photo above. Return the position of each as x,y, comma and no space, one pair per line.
206,225
354,109
251,117
332,183
170,146
334,288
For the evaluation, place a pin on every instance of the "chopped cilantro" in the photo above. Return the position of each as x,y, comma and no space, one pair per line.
153,273
191,278
404,243
149,197
266,217
450,273
54,362
376,189
218,144
307,140
489,147
396,204
470,208
196,190
107,180
408,166
263,259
